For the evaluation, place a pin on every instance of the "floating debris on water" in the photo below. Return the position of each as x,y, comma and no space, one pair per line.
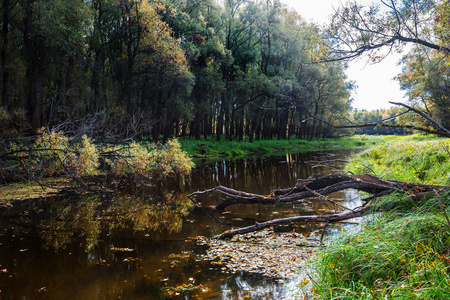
116,249
276,255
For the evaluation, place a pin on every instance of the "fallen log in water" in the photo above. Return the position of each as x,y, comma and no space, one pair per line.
324,186
318,187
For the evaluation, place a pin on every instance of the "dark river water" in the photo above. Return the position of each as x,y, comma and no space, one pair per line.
139,242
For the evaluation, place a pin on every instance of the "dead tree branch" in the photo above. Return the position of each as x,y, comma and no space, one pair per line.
441,130
319,187
358,212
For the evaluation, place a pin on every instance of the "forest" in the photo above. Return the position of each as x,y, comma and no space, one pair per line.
167,68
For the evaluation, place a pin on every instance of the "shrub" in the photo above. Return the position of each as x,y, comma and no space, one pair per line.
139,159
53,153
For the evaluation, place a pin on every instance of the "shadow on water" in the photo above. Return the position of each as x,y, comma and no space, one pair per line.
139,242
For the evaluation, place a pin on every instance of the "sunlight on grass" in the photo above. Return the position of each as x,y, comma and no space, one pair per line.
402,255
406,160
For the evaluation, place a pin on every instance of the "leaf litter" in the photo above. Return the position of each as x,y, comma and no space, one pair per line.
267,253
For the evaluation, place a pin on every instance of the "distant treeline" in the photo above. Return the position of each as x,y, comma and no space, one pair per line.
166,68
386,119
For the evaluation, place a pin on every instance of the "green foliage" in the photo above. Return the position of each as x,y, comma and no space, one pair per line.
442,27
426,78
414,161
173,67
358,28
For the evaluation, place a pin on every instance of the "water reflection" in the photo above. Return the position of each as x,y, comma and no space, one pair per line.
136,243
59,221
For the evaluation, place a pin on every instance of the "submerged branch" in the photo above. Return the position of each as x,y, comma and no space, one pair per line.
357,212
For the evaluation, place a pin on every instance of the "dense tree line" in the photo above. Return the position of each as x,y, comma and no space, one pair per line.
164,68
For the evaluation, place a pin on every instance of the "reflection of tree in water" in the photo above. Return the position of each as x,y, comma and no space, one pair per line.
58,221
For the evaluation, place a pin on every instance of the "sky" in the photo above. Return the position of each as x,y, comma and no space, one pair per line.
376,86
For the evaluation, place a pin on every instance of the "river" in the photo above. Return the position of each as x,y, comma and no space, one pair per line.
140,242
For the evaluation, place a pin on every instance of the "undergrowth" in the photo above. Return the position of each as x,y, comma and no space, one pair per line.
55,154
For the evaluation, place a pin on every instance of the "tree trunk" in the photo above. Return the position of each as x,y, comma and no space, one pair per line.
36,120
4,58
219,128
321,187
69,75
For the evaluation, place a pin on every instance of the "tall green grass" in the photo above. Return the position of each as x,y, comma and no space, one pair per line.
404,254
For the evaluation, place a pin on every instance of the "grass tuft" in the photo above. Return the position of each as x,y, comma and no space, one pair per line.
401,255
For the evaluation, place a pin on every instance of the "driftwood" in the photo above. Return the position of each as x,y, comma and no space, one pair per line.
318,187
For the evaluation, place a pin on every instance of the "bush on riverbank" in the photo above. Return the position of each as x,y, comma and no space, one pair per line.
402,252
55,154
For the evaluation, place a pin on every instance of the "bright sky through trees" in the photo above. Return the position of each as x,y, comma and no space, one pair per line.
376,86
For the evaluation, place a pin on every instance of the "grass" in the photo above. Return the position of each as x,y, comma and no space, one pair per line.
401,255
225,148
402,252
407,160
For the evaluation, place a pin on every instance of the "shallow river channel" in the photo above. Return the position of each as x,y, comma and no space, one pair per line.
140,243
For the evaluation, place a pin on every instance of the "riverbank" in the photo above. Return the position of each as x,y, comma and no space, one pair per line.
224,148
402,252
